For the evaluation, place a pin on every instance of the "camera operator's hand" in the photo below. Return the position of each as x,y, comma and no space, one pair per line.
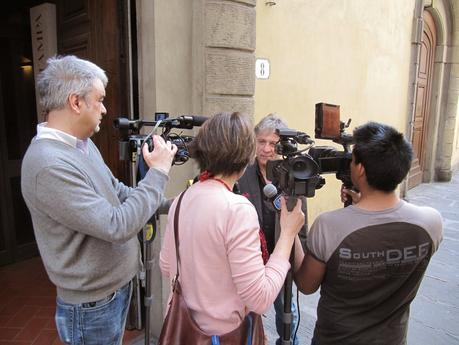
347,193
162,155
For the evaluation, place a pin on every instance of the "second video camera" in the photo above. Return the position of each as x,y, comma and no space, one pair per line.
298,173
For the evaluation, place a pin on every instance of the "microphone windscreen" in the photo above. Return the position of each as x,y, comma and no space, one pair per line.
198,120
270,190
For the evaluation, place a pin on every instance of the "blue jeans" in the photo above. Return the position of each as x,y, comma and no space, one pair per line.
279,309
96,323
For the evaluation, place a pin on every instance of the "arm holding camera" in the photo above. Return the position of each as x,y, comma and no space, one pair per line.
162,155
308,271
291,221
159,158
347,193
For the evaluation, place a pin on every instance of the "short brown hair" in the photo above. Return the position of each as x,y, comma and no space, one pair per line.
225,144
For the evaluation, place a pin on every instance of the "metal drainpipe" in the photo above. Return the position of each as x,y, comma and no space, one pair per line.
416,40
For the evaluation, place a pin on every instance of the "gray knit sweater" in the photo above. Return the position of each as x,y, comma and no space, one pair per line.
85,220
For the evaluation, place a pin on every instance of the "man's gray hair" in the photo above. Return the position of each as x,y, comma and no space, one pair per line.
270,122
66,75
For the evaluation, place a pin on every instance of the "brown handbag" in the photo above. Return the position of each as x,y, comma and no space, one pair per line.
179,327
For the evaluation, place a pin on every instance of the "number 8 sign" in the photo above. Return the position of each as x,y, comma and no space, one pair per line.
262,68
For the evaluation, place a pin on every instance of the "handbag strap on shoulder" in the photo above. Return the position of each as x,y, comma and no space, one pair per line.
176,232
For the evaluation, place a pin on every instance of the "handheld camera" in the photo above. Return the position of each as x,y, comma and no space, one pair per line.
131,140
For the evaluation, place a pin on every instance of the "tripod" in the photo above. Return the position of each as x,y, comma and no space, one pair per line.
287,316
149,234
131,149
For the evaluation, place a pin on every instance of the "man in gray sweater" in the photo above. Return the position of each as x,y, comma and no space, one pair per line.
85,220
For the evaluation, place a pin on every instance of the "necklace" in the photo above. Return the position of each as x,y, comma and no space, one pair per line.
222,182
206,176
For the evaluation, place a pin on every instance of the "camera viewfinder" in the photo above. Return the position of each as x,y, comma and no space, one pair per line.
327,121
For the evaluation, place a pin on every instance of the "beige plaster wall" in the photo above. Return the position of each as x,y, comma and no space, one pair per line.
165,85
195,57
354,53
165,40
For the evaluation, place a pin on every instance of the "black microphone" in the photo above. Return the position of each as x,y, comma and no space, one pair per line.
270,191
189,121
124,123
183,122
303,138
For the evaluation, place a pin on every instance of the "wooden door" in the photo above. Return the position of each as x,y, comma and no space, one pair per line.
96,30
89,29
423,96
17,126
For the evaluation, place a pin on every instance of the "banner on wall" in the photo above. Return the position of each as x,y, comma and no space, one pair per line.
44,41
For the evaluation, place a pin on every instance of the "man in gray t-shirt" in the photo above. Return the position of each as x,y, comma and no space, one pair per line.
369,258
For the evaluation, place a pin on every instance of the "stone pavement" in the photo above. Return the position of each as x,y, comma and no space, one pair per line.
434,318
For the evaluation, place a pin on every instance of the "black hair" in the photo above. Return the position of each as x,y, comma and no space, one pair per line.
384,153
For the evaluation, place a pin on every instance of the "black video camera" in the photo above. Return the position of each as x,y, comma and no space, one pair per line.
131,141
298,172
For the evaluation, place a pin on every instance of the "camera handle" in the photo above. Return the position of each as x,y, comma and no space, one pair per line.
291,202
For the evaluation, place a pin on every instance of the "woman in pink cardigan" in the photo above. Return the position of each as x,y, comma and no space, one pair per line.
222,274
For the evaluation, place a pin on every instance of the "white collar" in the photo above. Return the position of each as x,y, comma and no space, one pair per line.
44,132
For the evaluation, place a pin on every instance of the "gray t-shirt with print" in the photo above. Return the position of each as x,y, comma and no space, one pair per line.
375,261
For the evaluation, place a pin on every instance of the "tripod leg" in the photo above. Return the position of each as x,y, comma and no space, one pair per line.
287,315
149,235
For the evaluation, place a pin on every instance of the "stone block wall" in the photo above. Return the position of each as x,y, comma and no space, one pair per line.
448,148
224,56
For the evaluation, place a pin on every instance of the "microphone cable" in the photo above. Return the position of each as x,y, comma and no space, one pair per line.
299,315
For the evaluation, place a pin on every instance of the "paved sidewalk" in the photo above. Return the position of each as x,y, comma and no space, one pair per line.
435,310
434,316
